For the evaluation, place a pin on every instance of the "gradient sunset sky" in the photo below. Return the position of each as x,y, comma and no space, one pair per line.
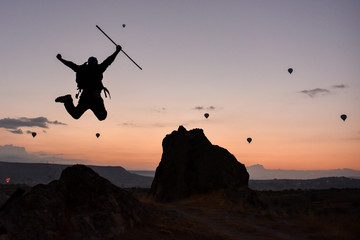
227,58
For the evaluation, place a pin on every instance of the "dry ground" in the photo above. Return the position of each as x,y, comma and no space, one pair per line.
301,214
316,214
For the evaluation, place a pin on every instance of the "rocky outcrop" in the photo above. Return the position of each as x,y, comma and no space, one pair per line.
190,164
80,205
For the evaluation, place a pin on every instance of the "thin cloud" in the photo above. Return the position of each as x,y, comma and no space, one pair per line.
144,125
15,123
56,122
315,92
211,108
11,153
127,124
341,86
29,132
159,110
17,131
49,155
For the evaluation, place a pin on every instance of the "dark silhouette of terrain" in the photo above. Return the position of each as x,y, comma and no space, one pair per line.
320,183
190,164
36,173
296,214
258,172
80,205
83,205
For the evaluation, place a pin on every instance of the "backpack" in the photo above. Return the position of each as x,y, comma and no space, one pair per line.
90,79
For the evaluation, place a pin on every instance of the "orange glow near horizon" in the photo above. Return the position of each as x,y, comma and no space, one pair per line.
139,149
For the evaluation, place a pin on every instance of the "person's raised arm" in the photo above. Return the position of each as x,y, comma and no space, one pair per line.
69,64
111,58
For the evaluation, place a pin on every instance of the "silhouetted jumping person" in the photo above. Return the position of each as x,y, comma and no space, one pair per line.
89,81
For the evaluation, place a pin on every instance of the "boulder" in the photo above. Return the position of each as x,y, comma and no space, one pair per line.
80,205
190,164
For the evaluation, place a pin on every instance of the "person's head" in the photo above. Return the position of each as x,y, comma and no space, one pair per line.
92,61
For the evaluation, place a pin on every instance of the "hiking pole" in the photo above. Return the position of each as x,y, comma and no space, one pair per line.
116,45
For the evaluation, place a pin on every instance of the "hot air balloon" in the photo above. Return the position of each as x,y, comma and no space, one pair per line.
97,135
33,134
249,140
206,115
343,117
7,180
290,70
124,25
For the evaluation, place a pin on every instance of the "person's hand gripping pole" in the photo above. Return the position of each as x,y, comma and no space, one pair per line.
117,45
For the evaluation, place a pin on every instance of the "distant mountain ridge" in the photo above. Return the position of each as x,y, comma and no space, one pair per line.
313,184
41,173
258,172
35,173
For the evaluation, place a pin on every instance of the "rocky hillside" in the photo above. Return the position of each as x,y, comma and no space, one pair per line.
80,205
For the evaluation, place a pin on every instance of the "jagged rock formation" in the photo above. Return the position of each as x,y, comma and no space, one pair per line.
80,205
190,164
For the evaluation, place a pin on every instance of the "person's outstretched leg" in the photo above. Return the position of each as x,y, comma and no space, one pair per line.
63,99
98,108
75,112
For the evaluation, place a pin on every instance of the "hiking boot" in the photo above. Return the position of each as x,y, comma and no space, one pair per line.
63,99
